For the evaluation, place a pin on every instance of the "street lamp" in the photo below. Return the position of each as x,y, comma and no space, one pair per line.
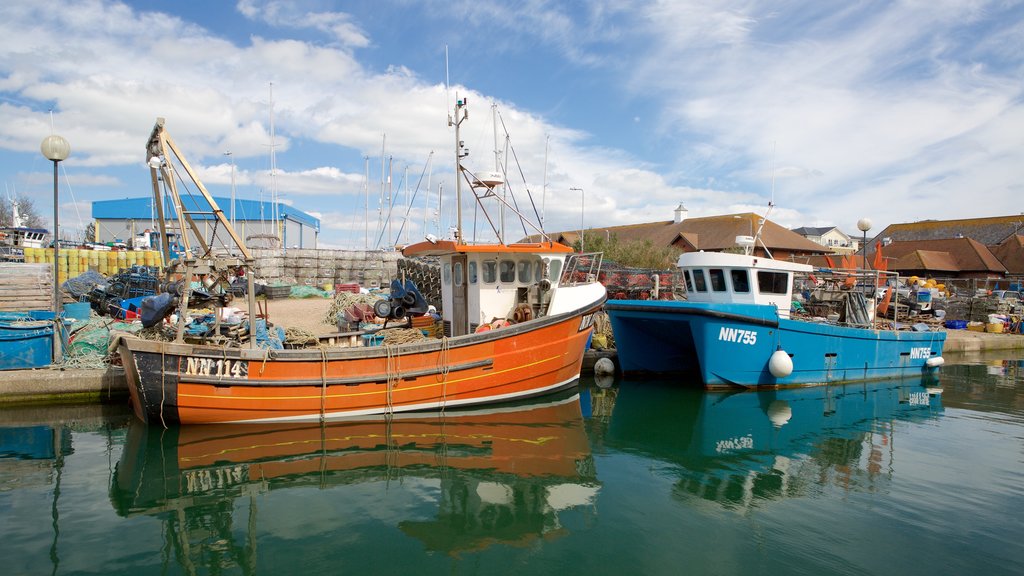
864,225
580,190
55,148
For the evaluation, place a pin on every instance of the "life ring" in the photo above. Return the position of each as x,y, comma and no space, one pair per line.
523,313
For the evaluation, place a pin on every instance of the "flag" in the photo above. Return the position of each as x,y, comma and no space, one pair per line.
879,261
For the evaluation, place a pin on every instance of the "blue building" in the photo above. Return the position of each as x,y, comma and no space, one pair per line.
255,223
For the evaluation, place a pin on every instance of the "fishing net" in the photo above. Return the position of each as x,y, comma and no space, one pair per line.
308,292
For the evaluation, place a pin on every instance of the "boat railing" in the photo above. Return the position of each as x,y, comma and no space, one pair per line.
855,297
581,268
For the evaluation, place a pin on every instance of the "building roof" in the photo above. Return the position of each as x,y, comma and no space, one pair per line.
1011,254
142,209
966,254
813,231
710,233
990,231
925,260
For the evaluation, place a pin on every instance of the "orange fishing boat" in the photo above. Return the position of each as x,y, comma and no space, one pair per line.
540,298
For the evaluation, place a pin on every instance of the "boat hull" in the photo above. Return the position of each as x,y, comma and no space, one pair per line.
731,344
182,383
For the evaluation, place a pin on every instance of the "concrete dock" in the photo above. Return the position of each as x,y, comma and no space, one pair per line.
49,386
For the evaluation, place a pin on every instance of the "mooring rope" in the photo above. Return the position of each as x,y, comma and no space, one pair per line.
163,391
443,367
323,384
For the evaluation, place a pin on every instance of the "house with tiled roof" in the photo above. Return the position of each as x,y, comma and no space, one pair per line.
989,231
947,257
1010,253
830,237
996,248
709,233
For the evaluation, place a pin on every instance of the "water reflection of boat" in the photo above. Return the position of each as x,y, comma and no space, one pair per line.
500,475
733,448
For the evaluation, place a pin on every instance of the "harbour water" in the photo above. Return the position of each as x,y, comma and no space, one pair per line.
639,477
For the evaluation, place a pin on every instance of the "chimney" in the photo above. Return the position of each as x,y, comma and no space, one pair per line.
680,212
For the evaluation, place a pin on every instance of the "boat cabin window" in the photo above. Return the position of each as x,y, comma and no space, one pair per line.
555,269
772,282
717,279
446,274
699,282
689,280
740,281
490,271
538,271
457,273
472,272
507,271
524,271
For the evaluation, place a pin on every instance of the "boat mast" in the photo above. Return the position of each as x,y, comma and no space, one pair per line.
497,169
456,121
273,171
366,203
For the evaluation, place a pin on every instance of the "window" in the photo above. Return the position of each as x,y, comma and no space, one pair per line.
689,281
555,270
446,274
490,271
699,282
457,273
472,272
507,271
772,282
524,271
740,281
717,279
538,271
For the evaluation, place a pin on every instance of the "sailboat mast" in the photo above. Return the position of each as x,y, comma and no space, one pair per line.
366,203
273,170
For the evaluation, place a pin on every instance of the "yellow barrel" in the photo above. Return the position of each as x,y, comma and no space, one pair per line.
122,258
30,255
101,267
130,257
150,258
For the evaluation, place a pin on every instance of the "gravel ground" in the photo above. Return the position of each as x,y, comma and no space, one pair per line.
303,313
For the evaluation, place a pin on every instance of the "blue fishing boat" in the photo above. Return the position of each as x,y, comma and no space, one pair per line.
736,327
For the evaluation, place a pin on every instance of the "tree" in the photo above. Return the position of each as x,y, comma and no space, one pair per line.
29,217
90,232
631,253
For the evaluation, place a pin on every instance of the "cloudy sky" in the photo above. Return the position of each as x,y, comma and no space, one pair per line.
893,110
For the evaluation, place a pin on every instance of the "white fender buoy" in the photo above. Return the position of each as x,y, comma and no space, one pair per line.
604,381
934,362
604,366
779,412
780,364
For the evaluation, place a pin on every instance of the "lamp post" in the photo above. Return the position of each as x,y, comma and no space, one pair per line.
864,225
580,190
55,148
